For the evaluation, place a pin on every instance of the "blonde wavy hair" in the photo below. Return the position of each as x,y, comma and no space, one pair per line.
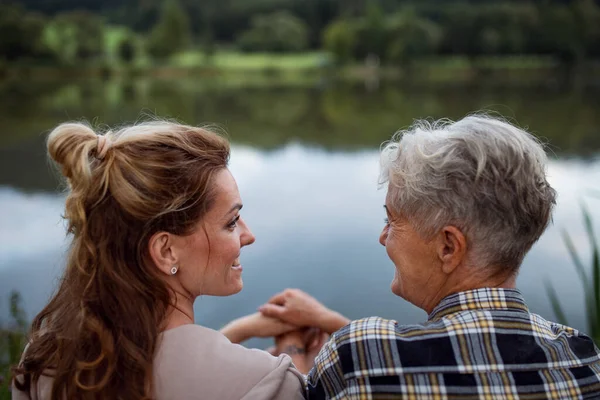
98,334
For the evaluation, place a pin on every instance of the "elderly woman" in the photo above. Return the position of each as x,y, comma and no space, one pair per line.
466,201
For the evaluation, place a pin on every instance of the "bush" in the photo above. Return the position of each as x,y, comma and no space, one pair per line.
12,342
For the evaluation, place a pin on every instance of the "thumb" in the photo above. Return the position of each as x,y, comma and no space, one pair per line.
271,310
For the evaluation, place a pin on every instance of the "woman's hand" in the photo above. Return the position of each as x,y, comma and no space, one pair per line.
255,325
299,308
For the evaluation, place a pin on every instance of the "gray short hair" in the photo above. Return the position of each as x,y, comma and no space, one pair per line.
481,174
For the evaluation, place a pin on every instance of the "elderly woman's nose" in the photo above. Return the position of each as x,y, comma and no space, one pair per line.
383,236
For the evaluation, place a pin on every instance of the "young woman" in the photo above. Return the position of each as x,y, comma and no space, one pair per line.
154,215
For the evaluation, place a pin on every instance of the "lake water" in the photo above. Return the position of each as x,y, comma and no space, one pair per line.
306,161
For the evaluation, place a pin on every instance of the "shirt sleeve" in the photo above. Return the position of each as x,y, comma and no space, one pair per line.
326,379
284,382
347,355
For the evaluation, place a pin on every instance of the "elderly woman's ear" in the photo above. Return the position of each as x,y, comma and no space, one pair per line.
451,248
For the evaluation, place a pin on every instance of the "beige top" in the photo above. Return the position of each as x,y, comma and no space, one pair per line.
194,362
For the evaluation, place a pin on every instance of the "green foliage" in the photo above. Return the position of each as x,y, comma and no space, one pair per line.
12,342
280,31
590,281
397,32
21,34
339,39
372,32
401,38
560,34
171,33
587,18
76,36
411,38
126,50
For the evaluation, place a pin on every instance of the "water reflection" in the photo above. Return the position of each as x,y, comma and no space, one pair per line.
317,216
335,117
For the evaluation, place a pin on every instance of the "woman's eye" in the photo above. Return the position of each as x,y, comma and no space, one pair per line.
386,220
233,223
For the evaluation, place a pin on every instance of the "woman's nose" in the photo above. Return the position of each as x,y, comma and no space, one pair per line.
383,235
247,236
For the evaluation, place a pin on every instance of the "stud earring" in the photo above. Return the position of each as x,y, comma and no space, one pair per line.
174,270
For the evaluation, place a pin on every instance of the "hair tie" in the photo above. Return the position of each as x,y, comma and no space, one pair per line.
102,147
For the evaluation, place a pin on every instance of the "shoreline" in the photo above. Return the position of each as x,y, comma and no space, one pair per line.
536,74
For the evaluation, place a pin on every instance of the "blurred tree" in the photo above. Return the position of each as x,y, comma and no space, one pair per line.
412,38
460,30
126,49
75,36
587,20
21,34
172,31
372,37
561,35
280,31
339,38
568,30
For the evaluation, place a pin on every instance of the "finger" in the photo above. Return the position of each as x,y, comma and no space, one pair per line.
278,298
271,310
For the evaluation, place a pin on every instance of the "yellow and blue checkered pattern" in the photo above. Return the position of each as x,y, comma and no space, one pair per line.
478,344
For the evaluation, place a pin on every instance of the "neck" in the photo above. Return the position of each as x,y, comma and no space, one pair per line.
466,282
180,312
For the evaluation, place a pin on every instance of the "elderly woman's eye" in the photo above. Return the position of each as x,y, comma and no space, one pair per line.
387,221
233,223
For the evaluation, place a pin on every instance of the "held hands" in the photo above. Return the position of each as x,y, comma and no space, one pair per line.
300,324
302,310
302,346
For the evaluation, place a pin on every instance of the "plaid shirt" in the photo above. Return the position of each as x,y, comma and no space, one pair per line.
476,344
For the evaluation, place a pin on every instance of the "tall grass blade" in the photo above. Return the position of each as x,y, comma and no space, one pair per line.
556,307
595,311
576,260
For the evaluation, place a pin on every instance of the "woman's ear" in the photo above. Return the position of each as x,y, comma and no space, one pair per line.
162,251
452,248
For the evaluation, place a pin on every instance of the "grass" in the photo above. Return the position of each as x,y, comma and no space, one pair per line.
12,342
590,281
233,60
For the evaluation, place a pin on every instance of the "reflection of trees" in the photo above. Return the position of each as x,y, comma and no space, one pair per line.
338,117
341,117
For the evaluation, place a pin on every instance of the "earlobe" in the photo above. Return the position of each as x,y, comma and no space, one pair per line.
162,252
452,249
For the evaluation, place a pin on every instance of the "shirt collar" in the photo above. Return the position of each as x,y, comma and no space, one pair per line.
480,299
